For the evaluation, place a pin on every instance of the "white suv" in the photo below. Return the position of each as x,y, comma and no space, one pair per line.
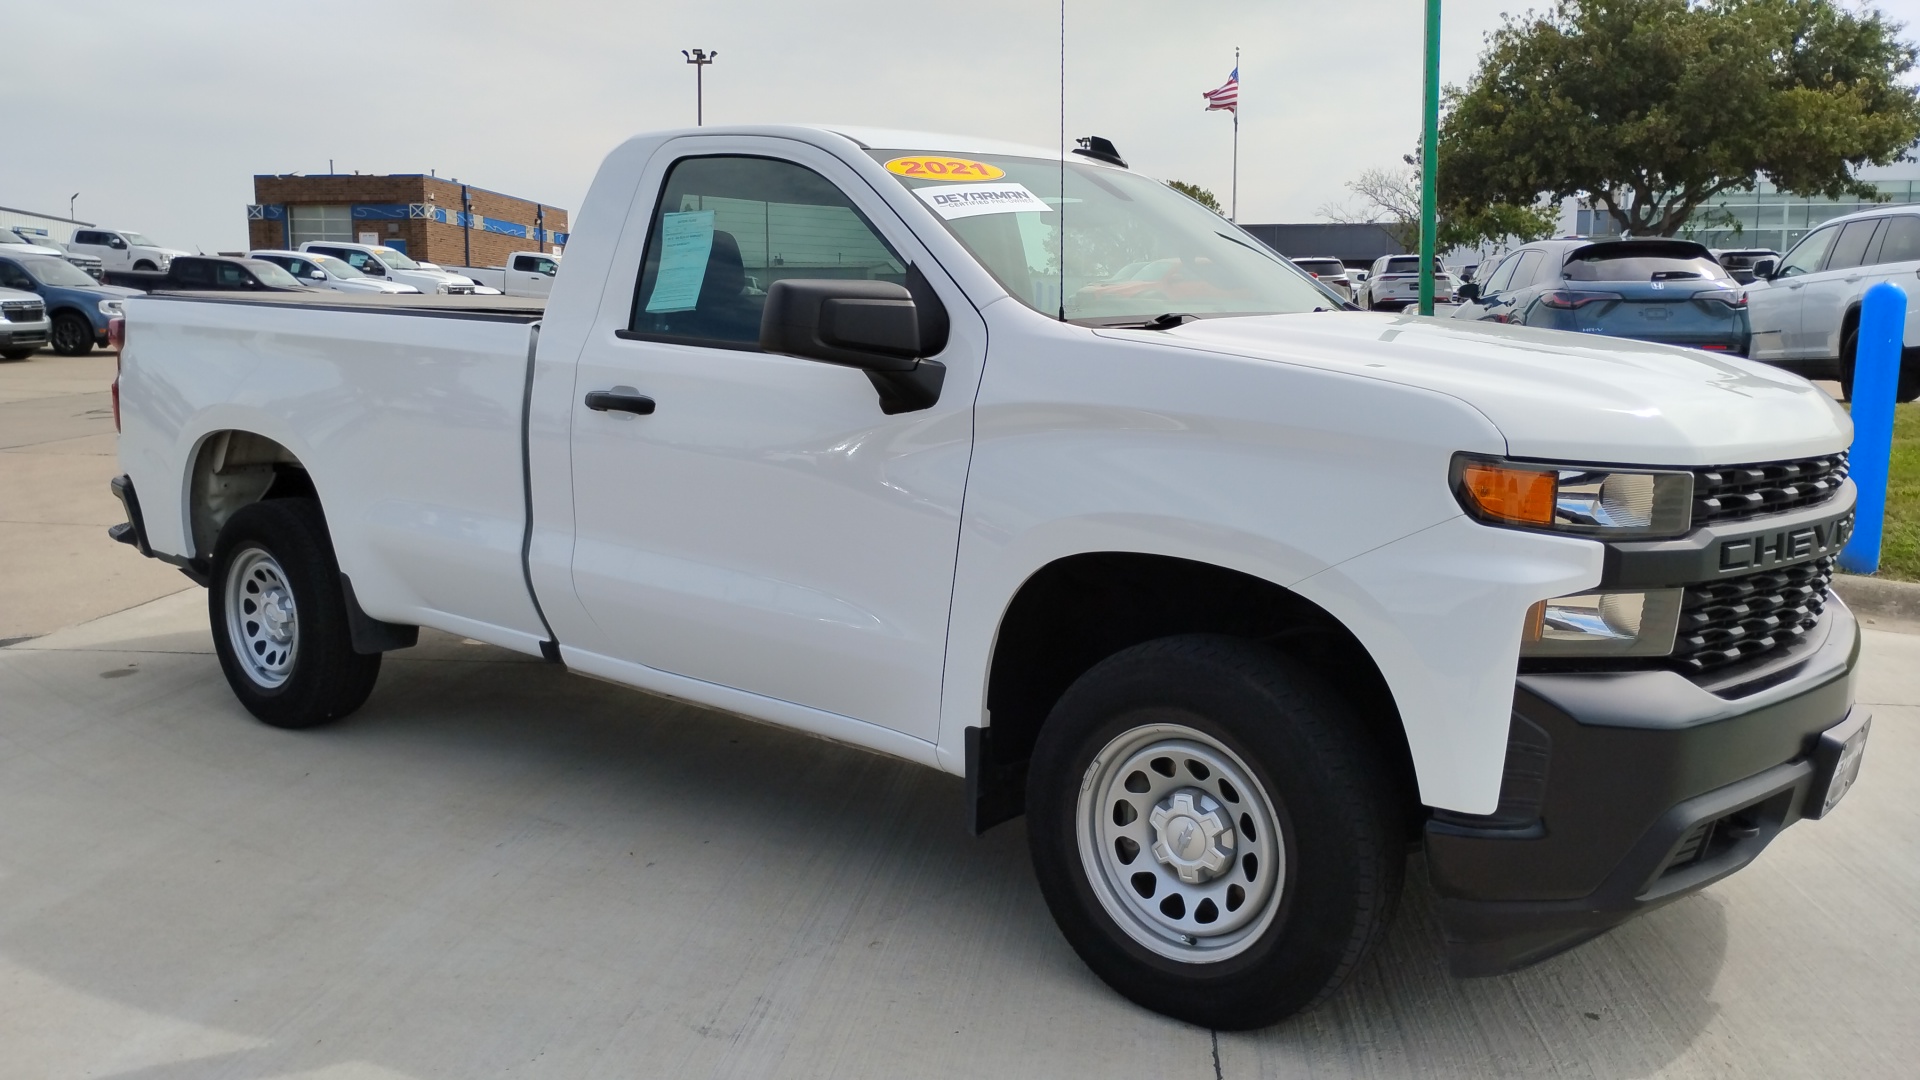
1393,284
1805,310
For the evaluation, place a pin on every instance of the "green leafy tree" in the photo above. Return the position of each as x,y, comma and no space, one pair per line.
1196,193
1651,108
1390,198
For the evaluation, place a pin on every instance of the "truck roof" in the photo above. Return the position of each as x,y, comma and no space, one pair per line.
870,138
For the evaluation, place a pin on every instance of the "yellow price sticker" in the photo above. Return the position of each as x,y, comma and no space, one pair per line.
927,167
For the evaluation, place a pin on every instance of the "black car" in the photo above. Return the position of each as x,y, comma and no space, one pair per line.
1670,291
217,273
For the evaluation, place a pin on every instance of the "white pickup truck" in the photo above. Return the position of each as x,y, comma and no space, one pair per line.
1235,597
526,273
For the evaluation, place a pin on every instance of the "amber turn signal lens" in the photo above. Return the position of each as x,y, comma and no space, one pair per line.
1504,493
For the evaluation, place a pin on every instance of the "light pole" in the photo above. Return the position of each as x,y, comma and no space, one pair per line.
1430,161
70,201
699,58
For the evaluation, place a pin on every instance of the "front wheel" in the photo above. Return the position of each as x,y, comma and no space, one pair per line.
280,619
1212,831
143,264
72,334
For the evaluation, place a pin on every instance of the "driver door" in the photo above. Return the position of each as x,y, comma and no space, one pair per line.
765,528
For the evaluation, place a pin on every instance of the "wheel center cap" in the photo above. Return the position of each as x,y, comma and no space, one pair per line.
277,612
1191,836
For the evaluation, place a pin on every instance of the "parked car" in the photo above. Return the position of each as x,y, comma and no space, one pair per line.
1669,291
78,308
18,241
1235,601
1739,261
120,249
1393,284
1329,272
23,324
222,273
391,264
526,273
326,272
1806,308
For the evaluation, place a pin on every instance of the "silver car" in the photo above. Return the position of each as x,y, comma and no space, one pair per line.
23,324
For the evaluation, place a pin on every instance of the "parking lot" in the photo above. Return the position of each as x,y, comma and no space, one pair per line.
496,868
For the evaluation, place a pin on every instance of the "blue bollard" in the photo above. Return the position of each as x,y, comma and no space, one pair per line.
1876,370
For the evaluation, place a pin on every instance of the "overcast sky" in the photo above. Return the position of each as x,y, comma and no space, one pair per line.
159,114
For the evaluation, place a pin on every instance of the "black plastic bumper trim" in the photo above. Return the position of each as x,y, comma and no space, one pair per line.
1727,549
133,532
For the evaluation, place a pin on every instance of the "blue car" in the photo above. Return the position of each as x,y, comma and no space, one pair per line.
78,305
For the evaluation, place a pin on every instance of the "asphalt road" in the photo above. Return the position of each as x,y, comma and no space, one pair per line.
498,869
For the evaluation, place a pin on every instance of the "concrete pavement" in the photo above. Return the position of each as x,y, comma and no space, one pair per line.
499,869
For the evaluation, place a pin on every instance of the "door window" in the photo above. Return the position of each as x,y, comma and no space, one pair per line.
727,228
1809,254
1850,250
193,273
1502,274
1529,269
229,276
12,277
86,237
1902,240
534,264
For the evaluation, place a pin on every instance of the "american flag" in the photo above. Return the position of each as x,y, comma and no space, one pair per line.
1227,97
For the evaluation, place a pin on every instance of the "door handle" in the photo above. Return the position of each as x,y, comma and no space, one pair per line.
612,401
1853,279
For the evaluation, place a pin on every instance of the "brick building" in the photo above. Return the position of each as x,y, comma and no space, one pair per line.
431,219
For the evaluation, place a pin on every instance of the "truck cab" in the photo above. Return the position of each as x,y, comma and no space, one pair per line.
525,273
123,249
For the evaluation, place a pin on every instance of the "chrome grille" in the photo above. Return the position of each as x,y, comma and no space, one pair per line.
1738,492
1743,618
23,311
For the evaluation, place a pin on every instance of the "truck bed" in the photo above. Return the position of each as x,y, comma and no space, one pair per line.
521,309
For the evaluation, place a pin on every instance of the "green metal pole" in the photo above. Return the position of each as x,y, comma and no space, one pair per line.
1430,161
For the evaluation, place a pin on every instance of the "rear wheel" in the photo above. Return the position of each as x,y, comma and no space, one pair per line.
72,334
1211,832
1905,390
280,619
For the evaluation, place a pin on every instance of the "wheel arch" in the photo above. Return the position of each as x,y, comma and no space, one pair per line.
1079,609
229,468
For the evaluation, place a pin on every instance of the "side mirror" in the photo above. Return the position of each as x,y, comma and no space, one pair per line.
318,275
871,325
1764,268
1467,293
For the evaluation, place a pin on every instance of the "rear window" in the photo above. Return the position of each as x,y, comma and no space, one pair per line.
1622,263
1322,267
1403,264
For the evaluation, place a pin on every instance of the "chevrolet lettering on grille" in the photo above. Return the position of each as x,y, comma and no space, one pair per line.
1784,546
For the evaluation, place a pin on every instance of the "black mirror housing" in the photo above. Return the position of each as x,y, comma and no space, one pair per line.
871,325
1467,292
1764,268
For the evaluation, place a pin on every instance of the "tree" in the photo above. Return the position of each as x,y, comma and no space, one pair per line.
1196,193
1390,198
1651,108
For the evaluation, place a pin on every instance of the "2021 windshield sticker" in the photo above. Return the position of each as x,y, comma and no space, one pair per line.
686,240
934,167
979,199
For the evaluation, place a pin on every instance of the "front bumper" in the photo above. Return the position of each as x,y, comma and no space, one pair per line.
19,335
1627,790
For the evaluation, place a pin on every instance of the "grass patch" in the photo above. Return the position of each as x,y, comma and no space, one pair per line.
1900,543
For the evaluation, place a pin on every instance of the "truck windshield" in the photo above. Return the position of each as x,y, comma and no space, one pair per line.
1135,249
395,260
339,268
137,239
270,274
48,270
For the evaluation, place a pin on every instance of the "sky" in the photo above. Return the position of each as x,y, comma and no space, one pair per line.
161,121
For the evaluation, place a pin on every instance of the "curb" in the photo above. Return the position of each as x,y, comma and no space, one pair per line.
1879,598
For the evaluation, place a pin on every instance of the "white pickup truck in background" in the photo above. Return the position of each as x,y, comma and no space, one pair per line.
122,249
526,273
1234,596
382,263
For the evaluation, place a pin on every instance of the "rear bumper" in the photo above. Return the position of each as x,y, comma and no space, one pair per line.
1628,790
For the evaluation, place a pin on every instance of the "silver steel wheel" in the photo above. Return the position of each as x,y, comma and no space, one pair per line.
262,624
1180,843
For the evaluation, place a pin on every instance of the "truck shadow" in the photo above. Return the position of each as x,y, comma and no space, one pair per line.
494,856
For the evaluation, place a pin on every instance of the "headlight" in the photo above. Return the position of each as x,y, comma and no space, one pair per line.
442,289
1641,623
111,307
1575,499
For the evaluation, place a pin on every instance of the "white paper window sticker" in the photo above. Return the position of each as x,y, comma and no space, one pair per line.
686,242
976,199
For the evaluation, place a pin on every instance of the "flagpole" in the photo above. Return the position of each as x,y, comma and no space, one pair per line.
1234,198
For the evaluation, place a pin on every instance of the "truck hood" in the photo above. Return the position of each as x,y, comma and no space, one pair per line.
1555,395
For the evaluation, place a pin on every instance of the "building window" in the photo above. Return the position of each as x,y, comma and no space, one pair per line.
332,223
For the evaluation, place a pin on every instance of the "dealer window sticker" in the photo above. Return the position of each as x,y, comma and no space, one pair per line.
976,199
686,241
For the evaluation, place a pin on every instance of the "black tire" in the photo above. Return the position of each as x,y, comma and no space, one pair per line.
1847,353
1342,844
143,264
19,354
72,334
1904,391
317,676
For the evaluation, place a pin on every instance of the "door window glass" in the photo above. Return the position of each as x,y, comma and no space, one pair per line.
308,222
1502,274
85,237
1902,240
1850,250
727,228
12,277
192,273
229,276
1529,268
1808,255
